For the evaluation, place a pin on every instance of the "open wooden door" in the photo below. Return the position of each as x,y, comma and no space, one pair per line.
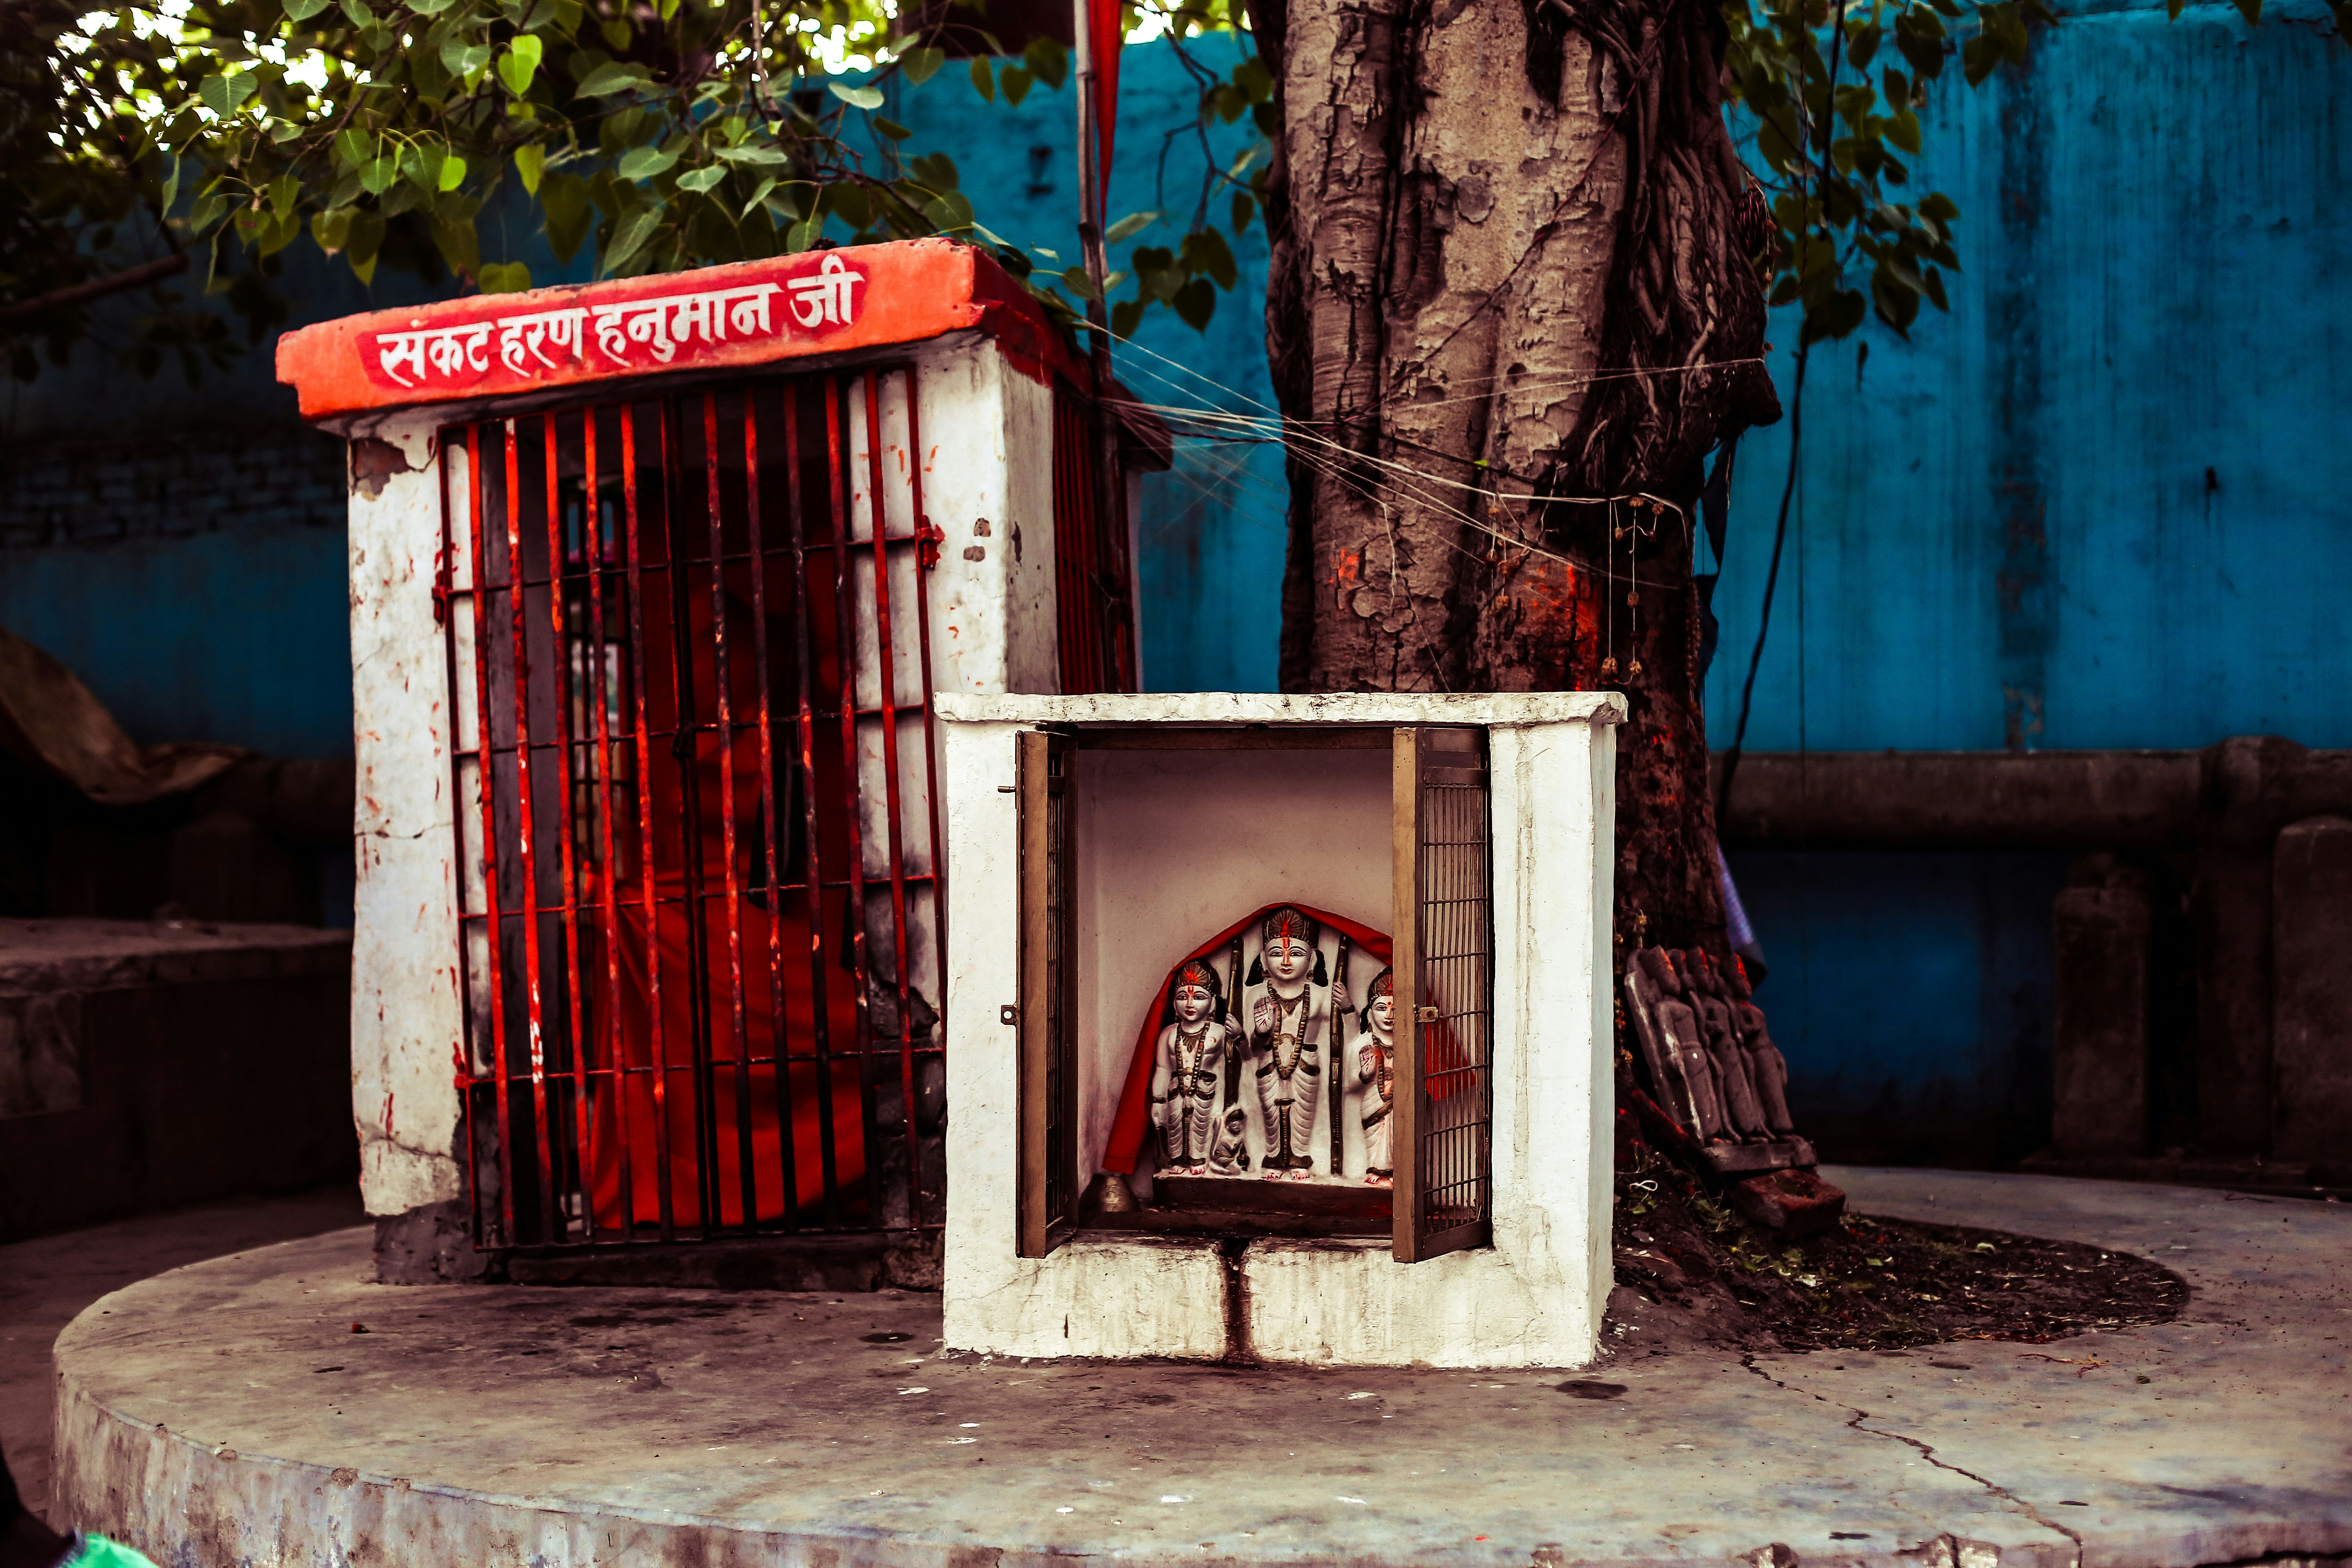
1049,1076
1445,969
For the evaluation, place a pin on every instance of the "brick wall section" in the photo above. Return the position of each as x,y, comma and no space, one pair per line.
169,487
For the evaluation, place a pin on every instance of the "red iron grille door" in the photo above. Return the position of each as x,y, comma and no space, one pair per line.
1092,592
697,836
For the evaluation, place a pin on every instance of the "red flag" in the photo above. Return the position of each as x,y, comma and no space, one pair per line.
1105,37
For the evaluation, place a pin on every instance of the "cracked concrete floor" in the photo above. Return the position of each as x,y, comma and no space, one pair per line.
2222,1437
228,1413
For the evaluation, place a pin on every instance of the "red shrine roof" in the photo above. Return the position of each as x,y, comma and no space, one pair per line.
714,318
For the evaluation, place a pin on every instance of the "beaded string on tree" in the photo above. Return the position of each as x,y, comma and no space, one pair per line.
1609,595
1636,531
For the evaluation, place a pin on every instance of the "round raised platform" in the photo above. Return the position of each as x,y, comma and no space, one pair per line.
276,1408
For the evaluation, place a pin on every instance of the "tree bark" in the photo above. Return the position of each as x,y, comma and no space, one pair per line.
1506,289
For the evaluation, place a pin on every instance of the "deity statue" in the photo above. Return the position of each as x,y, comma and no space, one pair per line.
1376,1071
1283,1027
1768,1067
1188,1065
1684,1048
1230,1155
1741,1109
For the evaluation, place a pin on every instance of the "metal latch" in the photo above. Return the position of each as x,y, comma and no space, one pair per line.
1424,1015
1008,1014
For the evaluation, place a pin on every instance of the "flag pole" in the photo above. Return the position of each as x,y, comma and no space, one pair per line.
1114,595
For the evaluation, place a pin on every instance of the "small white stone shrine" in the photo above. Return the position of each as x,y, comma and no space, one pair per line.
1100,844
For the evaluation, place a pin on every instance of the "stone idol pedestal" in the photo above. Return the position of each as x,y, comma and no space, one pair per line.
277,1407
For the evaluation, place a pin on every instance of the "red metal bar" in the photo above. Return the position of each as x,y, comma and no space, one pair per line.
780,1033
493,915
593,546
724,699
889,675
939,879
682,752
844,584
1075,589
569,862
519,614
819,949
657,1048
1065,605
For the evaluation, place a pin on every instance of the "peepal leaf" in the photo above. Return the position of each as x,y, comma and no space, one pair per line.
521,63
757,152
629,236
1129,226
615,76
463,58
644,163
224,95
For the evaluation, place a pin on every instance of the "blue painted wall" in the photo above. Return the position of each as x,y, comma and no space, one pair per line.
1213,529
230,636
2102,503
181,549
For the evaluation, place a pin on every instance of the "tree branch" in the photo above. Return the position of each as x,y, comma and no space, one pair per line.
137,277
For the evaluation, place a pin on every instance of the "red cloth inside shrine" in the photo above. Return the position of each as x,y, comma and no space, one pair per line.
649,1014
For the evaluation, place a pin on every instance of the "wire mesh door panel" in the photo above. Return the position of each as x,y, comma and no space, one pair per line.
696,834
1048,1188
1444,980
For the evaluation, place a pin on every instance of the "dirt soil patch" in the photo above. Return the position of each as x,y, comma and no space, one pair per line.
1690,1273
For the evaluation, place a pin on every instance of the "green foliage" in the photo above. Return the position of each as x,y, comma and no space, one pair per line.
384,129
1187,268
1840,143
654,130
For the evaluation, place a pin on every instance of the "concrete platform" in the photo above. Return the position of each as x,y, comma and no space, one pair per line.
154,1063
228,1413
45,1283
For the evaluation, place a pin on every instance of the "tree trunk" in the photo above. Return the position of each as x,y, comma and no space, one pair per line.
1504,289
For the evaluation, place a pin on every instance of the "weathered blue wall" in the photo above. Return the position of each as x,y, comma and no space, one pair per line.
1213,529
2102,503
181,550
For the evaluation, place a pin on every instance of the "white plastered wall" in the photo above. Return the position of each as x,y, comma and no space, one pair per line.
988,485
406,1018
986,430
1534,1298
